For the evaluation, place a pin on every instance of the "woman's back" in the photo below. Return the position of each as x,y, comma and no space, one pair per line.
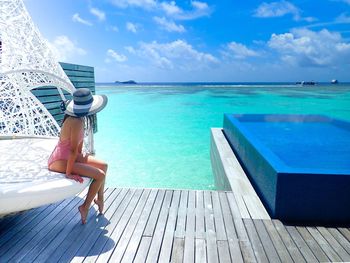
72,126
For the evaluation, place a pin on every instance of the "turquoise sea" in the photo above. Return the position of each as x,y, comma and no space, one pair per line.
158,135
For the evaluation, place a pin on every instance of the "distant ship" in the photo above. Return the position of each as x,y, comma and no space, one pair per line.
126,82
303,83
334,81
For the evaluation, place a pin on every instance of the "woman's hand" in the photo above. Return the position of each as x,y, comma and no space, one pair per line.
75,177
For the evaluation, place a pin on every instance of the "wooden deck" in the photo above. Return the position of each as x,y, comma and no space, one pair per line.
155,225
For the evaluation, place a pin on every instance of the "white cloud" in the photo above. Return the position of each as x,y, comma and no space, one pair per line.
130,49
171,8
101,16
169,26
111,54
131,27
76,18
199,9
176,54
65,49
343,18
278,9
146,4
308,48
200,5
112,28
240,51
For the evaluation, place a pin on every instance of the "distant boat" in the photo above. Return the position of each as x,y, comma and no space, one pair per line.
126,82
334,81
304,83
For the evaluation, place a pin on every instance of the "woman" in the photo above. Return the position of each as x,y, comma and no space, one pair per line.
67,156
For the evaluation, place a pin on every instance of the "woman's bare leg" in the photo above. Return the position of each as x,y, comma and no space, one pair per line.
91,160
96,174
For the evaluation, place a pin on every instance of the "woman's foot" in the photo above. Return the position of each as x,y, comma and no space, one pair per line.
83,213
100,205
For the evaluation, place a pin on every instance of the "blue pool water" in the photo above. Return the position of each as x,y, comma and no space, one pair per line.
159,135
311,144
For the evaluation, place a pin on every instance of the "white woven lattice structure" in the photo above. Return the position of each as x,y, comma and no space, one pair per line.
26,62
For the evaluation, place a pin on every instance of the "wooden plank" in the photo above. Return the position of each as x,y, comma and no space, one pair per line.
255,241
315,248
120,227
82,79
212,250
200,225
277,241
75,67
266,241
142,252
48,91
80,84
332,255
53,105
190,228
50,99
223,251
233,205
152,221
178,250
228,218
247,251
233,243
345,232
341,252
200,253
288,242
123,242
218,218
102,241
19,240
242,206
235,251
340,238
167,243
181,216
137,235
75,73
159,230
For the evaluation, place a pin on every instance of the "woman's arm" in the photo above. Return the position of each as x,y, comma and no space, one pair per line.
75,129
80,147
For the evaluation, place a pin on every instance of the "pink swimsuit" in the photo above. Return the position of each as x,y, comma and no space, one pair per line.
62,150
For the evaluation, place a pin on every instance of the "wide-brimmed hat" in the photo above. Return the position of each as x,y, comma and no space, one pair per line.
84,103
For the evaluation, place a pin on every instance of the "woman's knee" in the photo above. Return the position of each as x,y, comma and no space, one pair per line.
101,175
105,166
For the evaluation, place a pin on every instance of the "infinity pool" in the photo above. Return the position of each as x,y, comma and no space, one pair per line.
299,164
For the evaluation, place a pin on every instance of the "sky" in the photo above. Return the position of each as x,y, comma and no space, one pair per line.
200,41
